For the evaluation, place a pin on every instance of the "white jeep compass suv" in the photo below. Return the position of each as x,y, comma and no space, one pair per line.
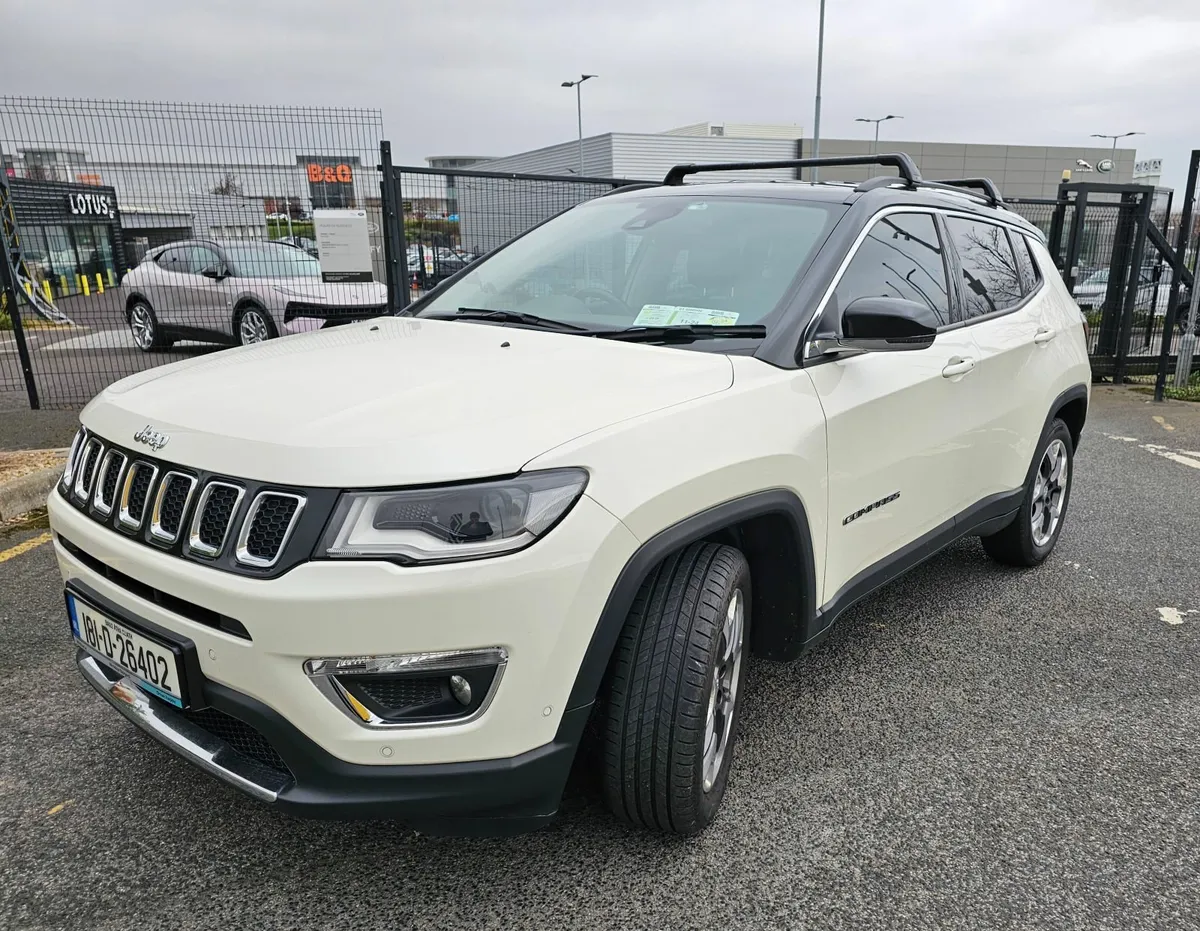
582,480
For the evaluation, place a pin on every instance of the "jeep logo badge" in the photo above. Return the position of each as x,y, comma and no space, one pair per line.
151,438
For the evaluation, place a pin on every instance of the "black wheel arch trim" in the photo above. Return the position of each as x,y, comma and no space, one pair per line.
1074,393
783,639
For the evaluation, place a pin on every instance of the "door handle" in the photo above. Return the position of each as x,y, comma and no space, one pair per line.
957,366
1043,335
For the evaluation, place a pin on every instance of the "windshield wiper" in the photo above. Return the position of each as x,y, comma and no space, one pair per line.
685,333
507,316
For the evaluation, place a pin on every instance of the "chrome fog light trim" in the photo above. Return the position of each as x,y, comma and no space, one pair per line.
324,674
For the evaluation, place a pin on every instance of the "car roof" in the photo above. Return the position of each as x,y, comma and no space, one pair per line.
874,195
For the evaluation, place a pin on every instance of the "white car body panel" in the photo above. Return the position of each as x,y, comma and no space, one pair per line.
394,401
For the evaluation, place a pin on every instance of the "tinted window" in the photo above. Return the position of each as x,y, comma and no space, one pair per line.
1025,263
271,260
991,281
200,258
901,257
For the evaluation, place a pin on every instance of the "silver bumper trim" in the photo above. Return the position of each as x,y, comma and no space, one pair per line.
177,733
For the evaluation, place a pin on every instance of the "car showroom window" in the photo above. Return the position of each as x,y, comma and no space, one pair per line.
902,256
991,278
1025,263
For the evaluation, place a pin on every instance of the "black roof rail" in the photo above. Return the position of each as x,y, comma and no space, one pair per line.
987,185
898,160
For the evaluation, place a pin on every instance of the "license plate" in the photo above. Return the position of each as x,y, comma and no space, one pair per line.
154,666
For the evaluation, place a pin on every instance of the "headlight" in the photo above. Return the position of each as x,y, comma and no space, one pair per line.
428,525
68,475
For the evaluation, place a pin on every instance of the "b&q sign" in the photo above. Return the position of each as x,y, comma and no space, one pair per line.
330,174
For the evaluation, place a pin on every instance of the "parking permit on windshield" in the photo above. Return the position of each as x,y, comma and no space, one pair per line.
670,315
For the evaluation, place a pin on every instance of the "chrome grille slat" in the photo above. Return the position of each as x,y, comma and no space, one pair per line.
268,526
105,495
89,461
171,506
215,513
135,494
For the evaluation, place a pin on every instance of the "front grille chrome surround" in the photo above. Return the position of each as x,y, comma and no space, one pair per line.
242,550
125,515
72,455
87,467
157,532
113,459
195,544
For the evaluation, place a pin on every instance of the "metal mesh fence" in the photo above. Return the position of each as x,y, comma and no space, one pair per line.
144,233
453,218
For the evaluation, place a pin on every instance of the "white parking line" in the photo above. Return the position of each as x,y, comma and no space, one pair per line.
1185,457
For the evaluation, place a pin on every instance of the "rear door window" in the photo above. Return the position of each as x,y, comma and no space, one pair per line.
991,277
1025,263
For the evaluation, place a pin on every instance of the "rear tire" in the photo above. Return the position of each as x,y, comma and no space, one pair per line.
1029,539
673,691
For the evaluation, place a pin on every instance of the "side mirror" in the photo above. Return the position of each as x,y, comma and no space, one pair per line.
216,272
884,324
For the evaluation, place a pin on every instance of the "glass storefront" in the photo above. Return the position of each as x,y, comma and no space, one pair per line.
64,255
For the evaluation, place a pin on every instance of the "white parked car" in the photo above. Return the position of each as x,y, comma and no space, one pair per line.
583,482
1091,291
239,292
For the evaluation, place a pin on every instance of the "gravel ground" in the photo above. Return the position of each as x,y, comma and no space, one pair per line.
973,747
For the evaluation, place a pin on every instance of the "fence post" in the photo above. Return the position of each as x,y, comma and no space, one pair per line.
9,289
1181,244
1075,240
393,226
1054,239
1140,219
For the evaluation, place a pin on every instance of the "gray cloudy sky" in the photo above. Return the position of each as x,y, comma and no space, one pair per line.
473,76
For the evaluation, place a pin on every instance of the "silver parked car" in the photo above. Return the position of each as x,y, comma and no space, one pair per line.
241,292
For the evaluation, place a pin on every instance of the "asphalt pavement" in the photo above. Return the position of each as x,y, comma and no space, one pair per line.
973,747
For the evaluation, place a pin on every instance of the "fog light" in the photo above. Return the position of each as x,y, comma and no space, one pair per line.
461,689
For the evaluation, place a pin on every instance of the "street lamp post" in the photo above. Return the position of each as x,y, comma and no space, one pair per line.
882,119
817,106
1113,157
579,111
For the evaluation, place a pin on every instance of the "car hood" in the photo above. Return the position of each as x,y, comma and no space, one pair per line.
396,401
316,291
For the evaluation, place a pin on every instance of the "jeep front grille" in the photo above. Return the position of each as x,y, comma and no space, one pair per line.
233,524
269,523
214,513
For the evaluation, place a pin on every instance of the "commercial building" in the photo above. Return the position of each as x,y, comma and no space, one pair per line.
1019,170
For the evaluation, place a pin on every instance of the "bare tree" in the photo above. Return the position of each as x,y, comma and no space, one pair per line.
228,185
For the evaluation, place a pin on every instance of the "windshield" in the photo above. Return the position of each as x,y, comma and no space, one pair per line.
674,260
270,260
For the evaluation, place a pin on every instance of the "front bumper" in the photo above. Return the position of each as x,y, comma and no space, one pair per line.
541,605
486,797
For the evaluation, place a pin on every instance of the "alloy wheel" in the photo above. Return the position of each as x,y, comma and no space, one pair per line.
141,324
722,698
1049,493
252,328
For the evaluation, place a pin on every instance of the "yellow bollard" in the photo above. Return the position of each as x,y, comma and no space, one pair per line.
63,287
112,279
29,289
86,289
46,288
99,284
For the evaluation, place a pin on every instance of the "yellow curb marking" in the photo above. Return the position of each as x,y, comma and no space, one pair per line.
32,543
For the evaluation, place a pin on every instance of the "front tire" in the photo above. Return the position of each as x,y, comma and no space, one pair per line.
143,326
253,325
674,689
1029,539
